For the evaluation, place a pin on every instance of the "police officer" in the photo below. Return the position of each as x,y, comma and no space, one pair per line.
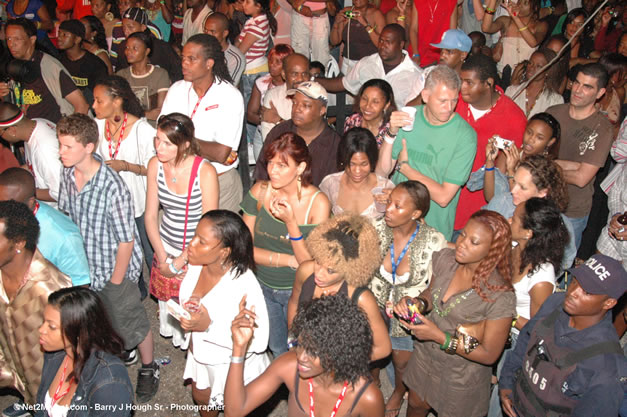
568,361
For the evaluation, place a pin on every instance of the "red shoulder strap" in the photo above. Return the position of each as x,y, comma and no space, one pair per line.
192,178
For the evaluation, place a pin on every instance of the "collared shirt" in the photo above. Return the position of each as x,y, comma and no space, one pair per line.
406,79
61,243
218,118
235,62
595,381
21,355
103,211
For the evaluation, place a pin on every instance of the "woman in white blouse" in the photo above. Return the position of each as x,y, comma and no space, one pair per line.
125,144
221,277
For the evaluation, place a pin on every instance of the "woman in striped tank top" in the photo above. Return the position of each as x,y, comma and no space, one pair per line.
168,183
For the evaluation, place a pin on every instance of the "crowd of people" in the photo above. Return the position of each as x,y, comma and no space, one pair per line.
462,228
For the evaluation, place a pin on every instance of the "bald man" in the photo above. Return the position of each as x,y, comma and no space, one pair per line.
217,25
60,241
277,106
41,148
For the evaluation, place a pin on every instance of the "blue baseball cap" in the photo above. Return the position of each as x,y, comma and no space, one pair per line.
601,275
454,39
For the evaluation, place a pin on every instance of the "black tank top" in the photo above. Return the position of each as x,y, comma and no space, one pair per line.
309,286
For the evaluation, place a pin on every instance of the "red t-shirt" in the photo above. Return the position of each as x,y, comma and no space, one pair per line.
434,18
80,8
505,119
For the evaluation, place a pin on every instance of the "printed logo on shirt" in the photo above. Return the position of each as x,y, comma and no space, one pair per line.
587,139
80,82
29,97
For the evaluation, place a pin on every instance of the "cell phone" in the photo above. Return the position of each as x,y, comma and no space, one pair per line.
176,311
413,309
502,143
349,14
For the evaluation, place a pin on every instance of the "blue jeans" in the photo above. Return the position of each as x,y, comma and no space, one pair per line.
246,86
495,400
276,303
579,225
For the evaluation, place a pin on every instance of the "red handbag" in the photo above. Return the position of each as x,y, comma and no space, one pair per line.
161,287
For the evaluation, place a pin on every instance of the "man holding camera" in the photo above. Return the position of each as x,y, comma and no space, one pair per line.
53,93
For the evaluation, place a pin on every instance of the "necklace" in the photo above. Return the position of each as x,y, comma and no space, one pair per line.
114,153
433,10
535,99
337,403
57,396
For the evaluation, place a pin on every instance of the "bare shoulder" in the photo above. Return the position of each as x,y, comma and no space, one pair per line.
371,403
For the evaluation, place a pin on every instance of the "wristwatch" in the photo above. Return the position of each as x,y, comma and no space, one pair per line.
400,164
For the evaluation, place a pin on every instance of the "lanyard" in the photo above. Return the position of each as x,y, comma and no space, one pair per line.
110,139
403,252
198,102
337,403
56,397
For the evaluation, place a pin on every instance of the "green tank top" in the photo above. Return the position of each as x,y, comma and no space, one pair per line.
271,234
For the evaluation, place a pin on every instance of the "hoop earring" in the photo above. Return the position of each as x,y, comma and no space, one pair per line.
299,186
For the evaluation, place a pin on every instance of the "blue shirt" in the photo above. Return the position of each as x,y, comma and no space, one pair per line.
61,243
595,381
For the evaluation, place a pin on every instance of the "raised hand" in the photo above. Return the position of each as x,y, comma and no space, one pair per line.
243,325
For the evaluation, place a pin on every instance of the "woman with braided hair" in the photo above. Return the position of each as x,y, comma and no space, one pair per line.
468,310
345,252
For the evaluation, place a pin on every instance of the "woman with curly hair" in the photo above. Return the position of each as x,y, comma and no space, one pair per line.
372,109
540,236
345,252
537,176
406,244
468,310
327,372
541,137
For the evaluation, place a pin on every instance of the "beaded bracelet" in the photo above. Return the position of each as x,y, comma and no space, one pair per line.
490,11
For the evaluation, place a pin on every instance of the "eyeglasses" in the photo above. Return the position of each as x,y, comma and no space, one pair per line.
177,124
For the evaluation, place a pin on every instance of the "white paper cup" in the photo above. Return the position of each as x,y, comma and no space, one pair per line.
380,206
412,113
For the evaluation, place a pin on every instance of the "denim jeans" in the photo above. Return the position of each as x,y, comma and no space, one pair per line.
149,253
495,400
246,86
276,303
579,225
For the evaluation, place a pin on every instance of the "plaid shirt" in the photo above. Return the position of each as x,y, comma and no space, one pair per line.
103,211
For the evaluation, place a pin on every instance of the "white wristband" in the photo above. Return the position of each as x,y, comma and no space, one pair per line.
237,359
389,139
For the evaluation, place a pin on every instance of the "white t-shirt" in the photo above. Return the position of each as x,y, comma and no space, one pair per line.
407,79
283,104
137,148
41,153
218,118
545,273
191,28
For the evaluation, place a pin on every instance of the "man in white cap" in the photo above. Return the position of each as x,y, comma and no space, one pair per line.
308,120
454,48
567,359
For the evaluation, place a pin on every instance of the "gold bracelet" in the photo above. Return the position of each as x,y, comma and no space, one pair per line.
522,29
400,18
372,28
452,348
